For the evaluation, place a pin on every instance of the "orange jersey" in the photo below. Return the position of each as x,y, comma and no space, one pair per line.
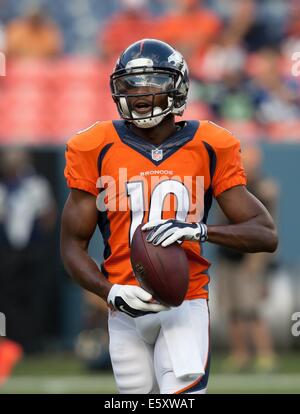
134,182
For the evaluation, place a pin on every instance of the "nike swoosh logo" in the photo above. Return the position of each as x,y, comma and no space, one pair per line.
122,309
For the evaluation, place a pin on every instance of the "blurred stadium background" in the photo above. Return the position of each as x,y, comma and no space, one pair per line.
59,55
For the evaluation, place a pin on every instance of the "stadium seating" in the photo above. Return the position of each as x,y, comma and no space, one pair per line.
46,101
41,100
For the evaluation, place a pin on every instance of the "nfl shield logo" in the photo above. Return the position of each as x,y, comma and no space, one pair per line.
157,154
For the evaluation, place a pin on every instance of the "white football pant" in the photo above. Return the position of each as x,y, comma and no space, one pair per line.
166,352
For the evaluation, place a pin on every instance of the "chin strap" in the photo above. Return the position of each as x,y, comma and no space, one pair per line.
149,122
141,121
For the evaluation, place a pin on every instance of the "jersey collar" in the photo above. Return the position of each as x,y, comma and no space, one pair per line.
155,154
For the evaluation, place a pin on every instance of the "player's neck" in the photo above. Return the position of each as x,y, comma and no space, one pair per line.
158,134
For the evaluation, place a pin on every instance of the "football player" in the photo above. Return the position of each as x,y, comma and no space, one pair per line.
126,172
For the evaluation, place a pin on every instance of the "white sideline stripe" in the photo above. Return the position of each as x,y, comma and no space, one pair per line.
86,384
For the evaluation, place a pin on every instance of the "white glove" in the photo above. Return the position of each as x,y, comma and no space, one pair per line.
166,232
132,300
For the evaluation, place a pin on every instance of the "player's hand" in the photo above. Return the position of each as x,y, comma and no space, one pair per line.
133,300
166,232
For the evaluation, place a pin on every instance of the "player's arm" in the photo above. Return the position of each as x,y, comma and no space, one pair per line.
79,220
251,227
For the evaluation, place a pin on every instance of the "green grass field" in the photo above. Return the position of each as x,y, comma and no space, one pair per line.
63,373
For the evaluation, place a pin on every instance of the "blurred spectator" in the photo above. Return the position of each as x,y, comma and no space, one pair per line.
226,84
224,57
92,345
276,98
242,284
132,23
223,85
234,101
189,28
27,216
245,24
2,37
293,23
34,36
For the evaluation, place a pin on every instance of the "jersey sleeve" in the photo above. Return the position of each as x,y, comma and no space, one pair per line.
81,169
229,170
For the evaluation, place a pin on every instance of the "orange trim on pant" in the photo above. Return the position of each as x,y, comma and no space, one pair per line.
201,376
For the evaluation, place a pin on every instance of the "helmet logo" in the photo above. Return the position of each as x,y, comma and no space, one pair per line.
175,59
157,154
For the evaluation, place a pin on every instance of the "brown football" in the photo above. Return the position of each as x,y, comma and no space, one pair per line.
162,271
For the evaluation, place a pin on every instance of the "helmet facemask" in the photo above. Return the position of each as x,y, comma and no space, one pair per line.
137,91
